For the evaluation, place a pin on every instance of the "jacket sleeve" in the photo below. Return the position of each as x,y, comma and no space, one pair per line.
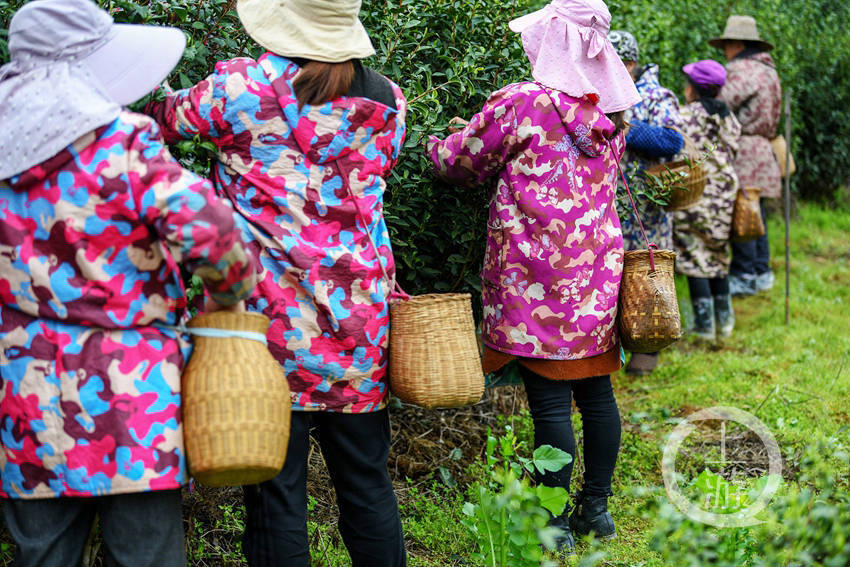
196,111
482,148
654,141
198,229
400,126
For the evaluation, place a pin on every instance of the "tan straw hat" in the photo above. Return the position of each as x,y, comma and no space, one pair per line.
321,30
742,28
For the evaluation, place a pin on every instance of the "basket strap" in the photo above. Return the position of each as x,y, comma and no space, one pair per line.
213,333
649,245
395,289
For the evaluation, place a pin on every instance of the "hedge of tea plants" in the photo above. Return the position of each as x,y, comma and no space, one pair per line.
448,55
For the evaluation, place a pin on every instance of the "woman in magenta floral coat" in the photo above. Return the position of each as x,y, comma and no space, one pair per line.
554,253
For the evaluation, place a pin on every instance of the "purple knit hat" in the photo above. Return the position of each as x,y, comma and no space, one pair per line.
706,73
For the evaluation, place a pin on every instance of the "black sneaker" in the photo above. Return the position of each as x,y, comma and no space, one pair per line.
591,515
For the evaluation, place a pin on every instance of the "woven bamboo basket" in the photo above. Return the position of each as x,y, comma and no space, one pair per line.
649,310
689,190
236,404
747,223
434,360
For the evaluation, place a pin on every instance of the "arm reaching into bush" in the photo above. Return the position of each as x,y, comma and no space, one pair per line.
196,111
482,147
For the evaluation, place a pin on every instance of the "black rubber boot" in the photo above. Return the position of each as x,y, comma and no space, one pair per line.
724,314
565,544
591,516
703,318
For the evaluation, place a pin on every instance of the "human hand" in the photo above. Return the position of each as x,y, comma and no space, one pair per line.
457,124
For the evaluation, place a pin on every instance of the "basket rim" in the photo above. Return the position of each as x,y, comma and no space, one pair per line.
437,297
200,318
672,165
664,253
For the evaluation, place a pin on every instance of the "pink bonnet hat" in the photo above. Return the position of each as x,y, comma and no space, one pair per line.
568,47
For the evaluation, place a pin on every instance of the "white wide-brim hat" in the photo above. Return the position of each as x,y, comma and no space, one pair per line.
135,60
71,71
319,30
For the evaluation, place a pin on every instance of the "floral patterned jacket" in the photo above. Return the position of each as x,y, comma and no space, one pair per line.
321,285
658,107
89,246
554,252
753,92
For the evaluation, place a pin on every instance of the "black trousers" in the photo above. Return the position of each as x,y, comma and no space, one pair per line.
551,404
751,257
355,448
139,530
705,287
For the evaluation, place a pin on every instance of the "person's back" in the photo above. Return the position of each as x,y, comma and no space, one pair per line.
754,94
280,163
306,137
553,229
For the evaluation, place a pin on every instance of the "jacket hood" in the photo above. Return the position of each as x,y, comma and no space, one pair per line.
329,131
589,128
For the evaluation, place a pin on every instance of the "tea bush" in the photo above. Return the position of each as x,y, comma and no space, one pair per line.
448,55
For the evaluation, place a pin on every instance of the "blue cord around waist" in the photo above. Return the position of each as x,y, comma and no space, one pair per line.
219,333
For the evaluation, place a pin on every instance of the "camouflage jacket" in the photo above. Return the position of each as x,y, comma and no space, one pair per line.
280,166
701,232
753,92
90,243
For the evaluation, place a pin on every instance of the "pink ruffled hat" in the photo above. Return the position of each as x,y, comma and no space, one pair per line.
568,47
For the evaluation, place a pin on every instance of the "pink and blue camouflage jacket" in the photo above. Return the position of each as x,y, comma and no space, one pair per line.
90,242
321,283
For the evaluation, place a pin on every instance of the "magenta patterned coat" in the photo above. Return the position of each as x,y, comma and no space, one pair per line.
322,285
753,92
89,246
554,252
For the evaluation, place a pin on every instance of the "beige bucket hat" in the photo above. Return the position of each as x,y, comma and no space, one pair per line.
742,28
321,30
